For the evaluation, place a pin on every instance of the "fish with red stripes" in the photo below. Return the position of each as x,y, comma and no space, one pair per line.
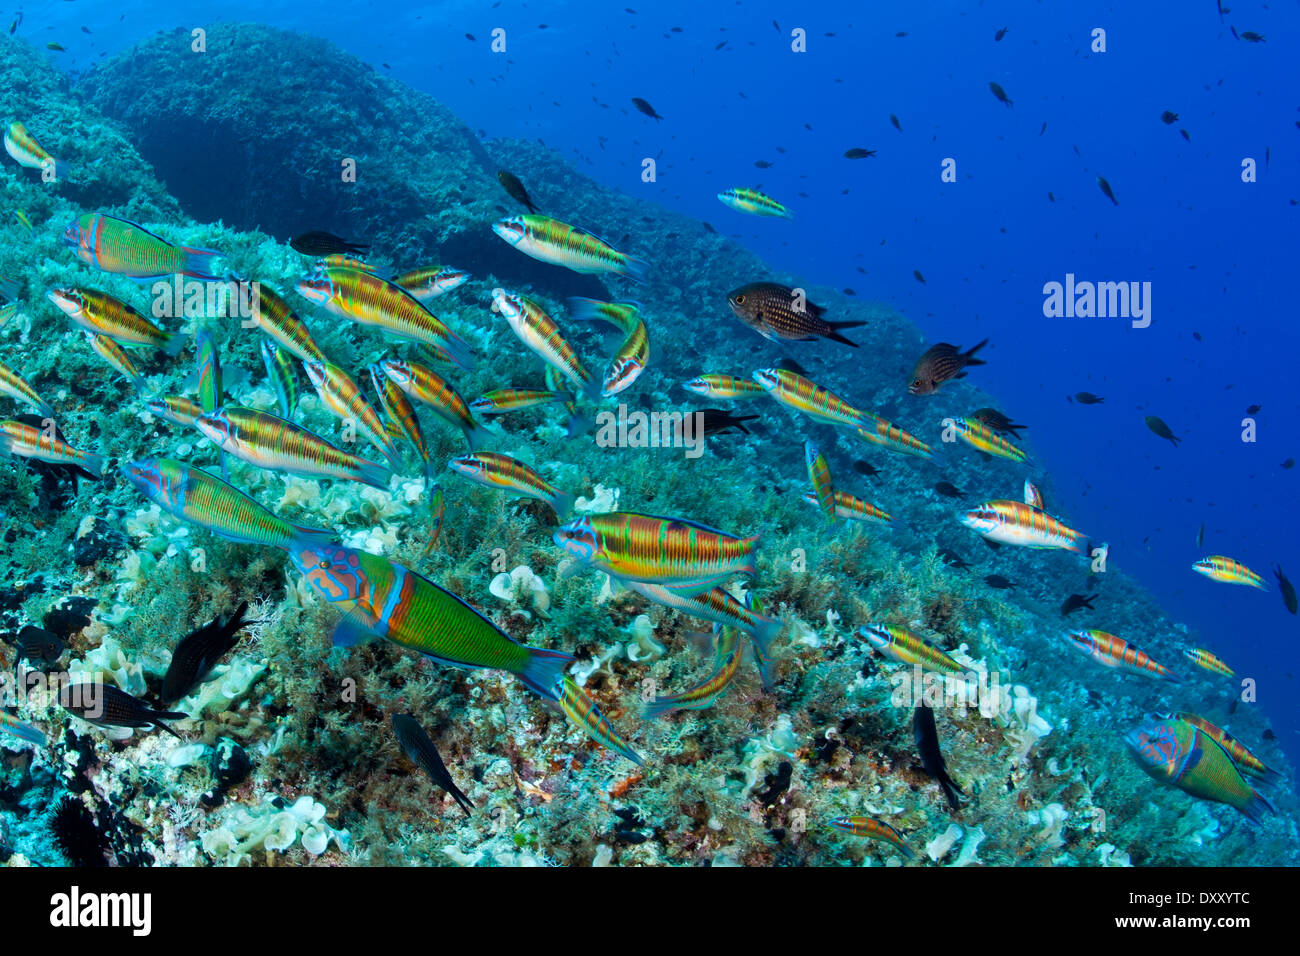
906,647
400,415
587,717
849,508
273,316
874,829
26,441
431,389
103,314
1115,652
719,385
804,395
819,473
558,243
1013,522
16,387
882,432
495,470
633,355
1227,570
538,331
23,148
982,438
342,396
1204,659
428,282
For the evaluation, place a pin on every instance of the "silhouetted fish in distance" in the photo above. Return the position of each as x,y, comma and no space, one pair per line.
325,244
515,188
1076,602
645,108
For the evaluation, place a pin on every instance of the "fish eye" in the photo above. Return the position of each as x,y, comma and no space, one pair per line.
740,300
323,565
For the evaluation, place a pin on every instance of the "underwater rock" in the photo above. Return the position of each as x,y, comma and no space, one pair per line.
97,541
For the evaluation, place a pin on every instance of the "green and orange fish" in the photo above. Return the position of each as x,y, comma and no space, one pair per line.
495,470
538,331
873,829
729,651
982,438
429,282
113,354
850,508
17,438
22,146
429,388
1013,522
899,644
718,385
1203,658
176,409
1228,571
556,242
819,473
102,314
274,317
886,434
633,356
125,248
586,716
17,388
401,417
1246,761
803,395
341,395
1115,652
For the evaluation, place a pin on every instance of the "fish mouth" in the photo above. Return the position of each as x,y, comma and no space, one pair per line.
765,377
511,230
313,290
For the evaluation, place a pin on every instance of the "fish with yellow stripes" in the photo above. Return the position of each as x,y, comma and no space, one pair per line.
882,432
342,396
431,389
176,409
125,248
25,151
982,438
753,202
17,388
208,366
852,509
1226,570
873,829
899,644
495,470
280,372
673,552
558,243
113,354
381,598
1203,658
718,385
21,730
274,317
819,473
586,716
198,498
1179,753
538,331
803,395
368,299
25,441
1014,522
716,605
402,420
728,652
271,442
633,356
428,282
104,314
502,400
1111,651
1246,761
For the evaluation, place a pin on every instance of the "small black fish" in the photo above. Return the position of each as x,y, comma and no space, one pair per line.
1076,601
999,582
1288,589
857,152
897,125
1289,463
762,164
1169,118
38,645
1000,93
107,706
865,468
1197,336
1254,409
325,244
717,420
1250,36
953,559
949,489
999,35
470,37
790,365
940,363
515,188
198,652
1051,197
777,312
645,108
1087,398
18,21
1184,135
1200,536
995,420
417,745
1160,428
927,744
1105,188
916,274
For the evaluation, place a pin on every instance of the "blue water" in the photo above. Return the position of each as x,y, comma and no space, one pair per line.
1218,252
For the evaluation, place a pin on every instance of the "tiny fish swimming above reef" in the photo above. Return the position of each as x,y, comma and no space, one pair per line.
886,434
1160,428
905,647
417,745
1227,570
777,312
939,364
198,652
982,438
849,508
875,830
105,705
325,244
17,727
558,243
510,182
1176,752
857,152
753,202
537,330
1207,661
1076,602
1000,93
927,744
122,247
27,441
1087,398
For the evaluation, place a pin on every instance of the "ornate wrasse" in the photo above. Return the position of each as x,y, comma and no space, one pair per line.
901,645
103,314
1014,522
1112,651
718,385
208,363
22,730
538,331
377,596
586,716
274,317
429,282
803,395
502,400
428,387
282,376
120,246
819,473
753,202
886,434
112,353
341,395
1203,658
851,508
1225,570
729,650
556,242
17,388
715,605
402,420
874,829
982,438
17,438
25,151
633,356
501,471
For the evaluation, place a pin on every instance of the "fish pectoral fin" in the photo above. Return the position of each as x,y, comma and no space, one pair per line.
351,631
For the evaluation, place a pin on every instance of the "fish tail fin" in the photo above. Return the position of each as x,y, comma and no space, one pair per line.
543,671
835,336
94,464
750,566
658,708
562,502
580,425
61,169
969,354
10,287
45,409
638,270
161,716
762,636
374,474
225,467
198,263
175,344
1257,807
476,436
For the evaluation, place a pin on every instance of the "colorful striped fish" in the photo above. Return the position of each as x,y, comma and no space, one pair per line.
209,371
729,650
901,645
125,248
678,554
368,299
873,829
17,388
112,353
377,596
22,146
283,377
1203,658
176,409
17,438
402,420
717,385
982,438
427,386
716,605
1014,522
1112,651
1032,495
538,331
198,498
579,424
851,508
502,400
274,443
586,716
495,470
429,282
549,240
21,730
753,202
794,391
103,314
341,395
819,473
437,511
886,434
1242,757
633,356
1228,571
1176,752
274,317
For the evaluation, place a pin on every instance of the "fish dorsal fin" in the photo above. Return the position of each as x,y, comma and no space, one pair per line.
136,225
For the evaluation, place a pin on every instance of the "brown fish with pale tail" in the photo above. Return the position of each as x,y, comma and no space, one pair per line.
510,182
941,363
777,312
